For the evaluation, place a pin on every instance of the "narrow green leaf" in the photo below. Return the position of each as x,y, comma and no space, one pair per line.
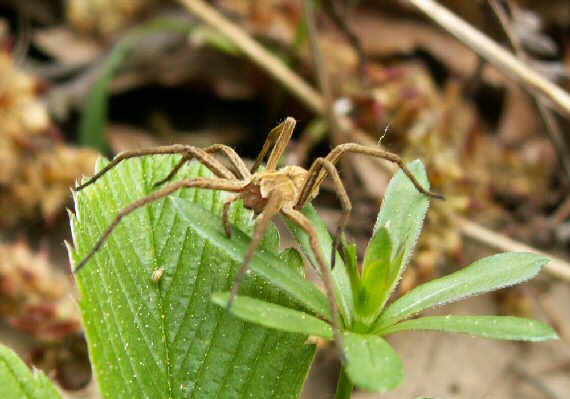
352,267
403,212
292,258
496,327
18,381
166,339
220,42
372,364
265,263
94,116
375,269
392,279
379,249
274,316
485,275
343,290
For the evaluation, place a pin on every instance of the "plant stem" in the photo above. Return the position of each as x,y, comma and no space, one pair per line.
500,58
344,386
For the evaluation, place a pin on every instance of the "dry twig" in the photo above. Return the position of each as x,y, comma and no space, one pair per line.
338,134
256,53
548,117
556,267
321,71
500,58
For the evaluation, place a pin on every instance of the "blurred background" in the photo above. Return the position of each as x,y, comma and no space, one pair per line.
81,79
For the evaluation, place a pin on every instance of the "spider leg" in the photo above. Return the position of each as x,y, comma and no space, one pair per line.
185,158
309,187
226,214
280,136
235,160
200,182
219,169
303,222
261,223
232,156
201,155
335,154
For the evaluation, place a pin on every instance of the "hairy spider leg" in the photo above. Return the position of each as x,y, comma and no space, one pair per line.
226,213
303,222
198,182
323,167
228,151
346,206
232,156
200,154
262,221
335,154
279,136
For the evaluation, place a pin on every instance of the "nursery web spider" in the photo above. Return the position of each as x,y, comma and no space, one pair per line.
269,192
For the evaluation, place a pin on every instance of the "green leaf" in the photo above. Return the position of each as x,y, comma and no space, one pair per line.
375,269
265,263
403,212
220,42
352,267
343,290
94,116
274,316
496,327
166,339
379,250
18,381
372,364
485,275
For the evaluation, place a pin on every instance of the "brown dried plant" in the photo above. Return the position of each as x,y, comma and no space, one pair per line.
37,168
34,298
273,191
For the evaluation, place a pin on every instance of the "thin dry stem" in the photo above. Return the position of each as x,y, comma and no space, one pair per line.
321,71
338,134
255,52
556,267
550,123
500,58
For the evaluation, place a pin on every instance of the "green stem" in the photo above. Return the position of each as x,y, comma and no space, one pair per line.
344,386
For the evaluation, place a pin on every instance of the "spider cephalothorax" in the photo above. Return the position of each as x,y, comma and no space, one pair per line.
269,192
287,182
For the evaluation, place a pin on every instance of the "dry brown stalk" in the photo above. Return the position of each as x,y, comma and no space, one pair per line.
500,58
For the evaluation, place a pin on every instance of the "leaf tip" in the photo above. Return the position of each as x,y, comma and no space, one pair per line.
220,298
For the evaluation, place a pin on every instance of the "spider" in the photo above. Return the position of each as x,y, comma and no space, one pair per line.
273,191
